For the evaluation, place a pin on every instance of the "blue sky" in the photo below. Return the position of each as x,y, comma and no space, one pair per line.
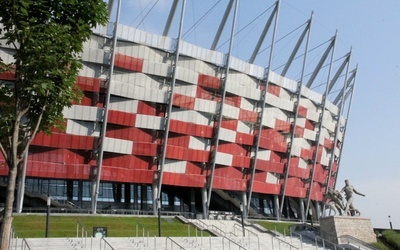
370,28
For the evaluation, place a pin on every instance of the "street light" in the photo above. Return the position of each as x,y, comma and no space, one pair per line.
390,223
159,216
241,212
48,216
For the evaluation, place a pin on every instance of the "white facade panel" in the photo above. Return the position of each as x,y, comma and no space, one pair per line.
84,113
278,102
230,111
142,37
332,108
272,178
136,92
75,127
263,154
94,56
197,66
244,128
199,143
205,105
276,113
154,68
206,55
186,75
6,55
312,115
309,134
177,167
248,104
327,121
149,122
268,121
223,159
117,146
243,80
123,104
301,142
227,135
138,79
302,163
186,90
311,95
191,116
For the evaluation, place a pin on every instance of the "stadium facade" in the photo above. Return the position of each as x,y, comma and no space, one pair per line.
165,124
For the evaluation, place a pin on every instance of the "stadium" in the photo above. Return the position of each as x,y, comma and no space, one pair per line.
166,125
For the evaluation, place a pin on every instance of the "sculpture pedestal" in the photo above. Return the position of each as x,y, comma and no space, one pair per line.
334,227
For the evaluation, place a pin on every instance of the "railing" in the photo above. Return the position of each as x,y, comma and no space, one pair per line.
248,234
280,242
173,243
229,243
106,244
354,241
145,233
105,211
84,233
317,240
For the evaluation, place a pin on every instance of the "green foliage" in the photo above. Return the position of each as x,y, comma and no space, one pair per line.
48,38
390,238
33,226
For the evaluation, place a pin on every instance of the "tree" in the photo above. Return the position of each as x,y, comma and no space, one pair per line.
47,38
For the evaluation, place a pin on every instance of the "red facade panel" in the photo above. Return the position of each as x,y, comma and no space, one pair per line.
183,101
184,180
269,166
64,141
266,188
89,84
121,118
245,139
128,62
248,116
187,128
209,81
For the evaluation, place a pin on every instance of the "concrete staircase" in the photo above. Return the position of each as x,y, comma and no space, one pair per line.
229,236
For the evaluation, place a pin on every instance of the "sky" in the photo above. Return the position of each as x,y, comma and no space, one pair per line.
369,28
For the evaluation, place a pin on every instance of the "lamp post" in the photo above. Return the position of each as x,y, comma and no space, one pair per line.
390,223
241,213
48,216
159,216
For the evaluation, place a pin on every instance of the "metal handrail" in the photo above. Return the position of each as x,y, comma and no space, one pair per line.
248,234
106,244
172,242
229,240
24,245
282,241
84,234
351,239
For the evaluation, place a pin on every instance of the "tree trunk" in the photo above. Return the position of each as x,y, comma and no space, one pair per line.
8,209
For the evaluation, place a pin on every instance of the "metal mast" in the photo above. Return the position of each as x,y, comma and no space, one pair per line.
220,110
264,33
96,184
320,122
167,120
297,106
263,98
338,125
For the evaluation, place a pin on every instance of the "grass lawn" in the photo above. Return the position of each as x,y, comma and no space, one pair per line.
34,226
282,227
